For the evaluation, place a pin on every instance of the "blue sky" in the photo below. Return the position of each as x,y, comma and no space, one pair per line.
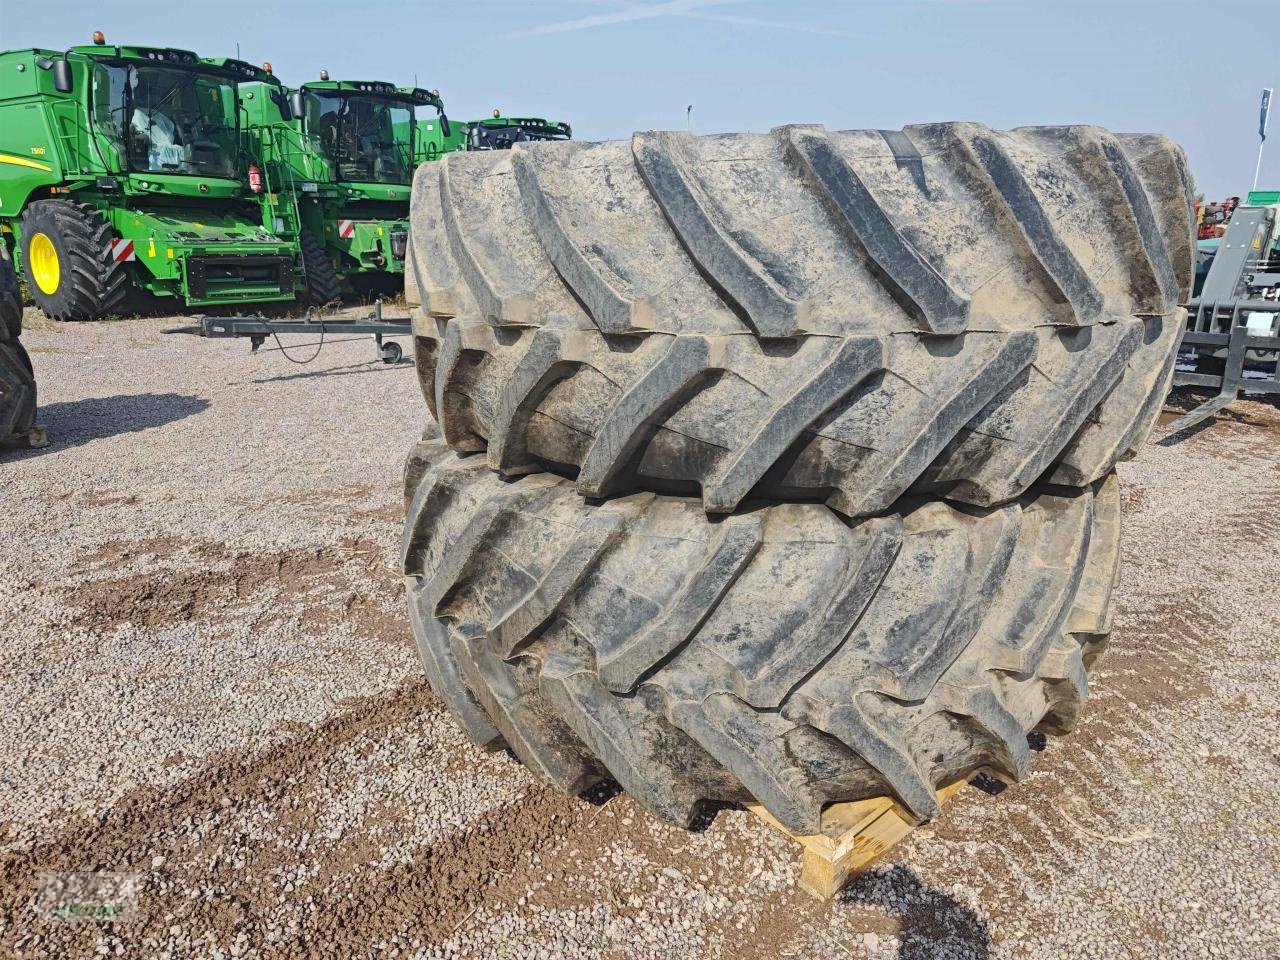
613,66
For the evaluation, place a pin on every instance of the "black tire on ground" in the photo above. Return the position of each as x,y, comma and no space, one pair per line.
17,378
323,284
781,654
803,315
91,284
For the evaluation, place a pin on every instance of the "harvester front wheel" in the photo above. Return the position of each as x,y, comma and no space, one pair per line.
67,257
323,285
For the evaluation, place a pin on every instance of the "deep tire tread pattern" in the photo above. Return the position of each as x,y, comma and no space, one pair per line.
938,229
855,422
17,379
323,284
782,653
627,313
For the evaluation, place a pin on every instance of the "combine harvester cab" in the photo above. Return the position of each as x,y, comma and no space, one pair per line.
339,158
121,170
500,133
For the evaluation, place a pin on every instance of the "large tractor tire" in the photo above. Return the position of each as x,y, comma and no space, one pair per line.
842,317
323,283
17,377
782,654
68,262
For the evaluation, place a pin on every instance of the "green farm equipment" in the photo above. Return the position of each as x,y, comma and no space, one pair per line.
338,158
1232,340
121,170
499,133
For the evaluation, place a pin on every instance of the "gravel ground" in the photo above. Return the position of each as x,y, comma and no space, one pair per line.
223,743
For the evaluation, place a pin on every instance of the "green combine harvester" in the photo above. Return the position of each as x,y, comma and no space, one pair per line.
500,133
122,172
338,157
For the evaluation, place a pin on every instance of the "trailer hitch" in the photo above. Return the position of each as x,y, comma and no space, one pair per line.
258,328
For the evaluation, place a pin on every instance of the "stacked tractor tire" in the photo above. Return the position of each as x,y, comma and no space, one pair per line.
779,467
17,378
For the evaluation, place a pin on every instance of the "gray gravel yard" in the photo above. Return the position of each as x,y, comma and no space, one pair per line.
209,699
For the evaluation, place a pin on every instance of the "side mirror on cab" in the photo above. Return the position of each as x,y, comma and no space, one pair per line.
295,105
62,76
444,125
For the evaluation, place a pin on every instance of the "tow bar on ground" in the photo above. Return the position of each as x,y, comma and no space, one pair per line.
258,329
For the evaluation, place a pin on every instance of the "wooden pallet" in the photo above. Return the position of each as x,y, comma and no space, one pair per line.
854,835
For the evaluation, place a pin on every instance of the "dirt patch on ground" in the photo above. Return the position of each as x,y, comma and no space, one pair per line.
389,513
120,553
99,499
1158,662
149,834
180,593
243,846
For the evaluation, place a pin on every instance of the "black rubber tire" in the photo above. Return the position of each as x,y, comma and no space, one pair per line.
782,654
323,283
846,317
92,284
17,377
10,299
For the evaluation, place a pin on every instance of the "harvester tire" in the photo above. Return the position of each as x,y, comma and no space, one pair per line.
844,317
323,284
10,299
781,654
73,274
17,378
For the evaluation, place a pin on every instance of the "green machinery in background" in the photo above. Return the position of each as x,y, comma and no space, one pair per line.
1232,339
338,157
499,133
122,170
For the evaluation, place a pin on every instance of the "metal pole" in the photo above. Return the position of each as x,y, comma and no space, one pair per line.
1264,113
688,118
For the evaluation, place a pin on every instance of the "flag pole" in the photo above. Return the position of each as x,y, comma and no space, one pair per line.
1262,132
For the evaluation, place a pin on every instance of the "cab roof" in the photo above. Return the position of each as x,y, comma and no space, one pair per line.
232,69
523,122
415,95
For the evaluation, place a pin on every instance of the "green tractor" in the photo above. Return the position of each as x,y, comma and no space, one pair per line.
500,133
121,171
339,157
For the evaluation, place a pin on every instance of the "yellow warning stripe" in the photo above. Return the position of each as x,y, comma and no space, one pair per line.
24,162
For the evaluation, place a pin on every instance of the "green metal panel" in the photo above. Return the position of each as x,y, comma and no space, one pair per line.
1263,198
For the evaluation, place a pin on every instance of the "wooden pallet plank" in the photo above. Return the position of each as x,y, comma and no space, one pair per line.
854,835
